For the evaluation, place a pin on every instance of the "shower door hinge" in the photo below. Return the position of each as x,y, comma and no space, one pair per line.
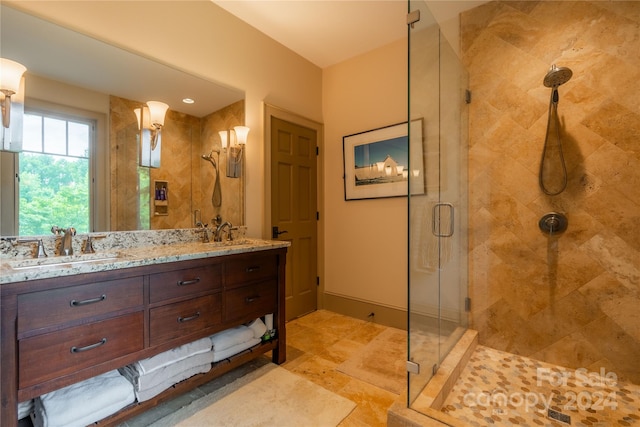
413,367
413,17
467,304
467,96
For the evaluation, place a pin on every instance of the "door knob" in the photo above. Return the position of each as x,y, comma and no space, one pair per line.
275,232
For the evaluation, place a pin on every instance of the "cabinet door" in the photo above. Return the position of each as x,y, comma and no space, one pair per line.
179,319
59,353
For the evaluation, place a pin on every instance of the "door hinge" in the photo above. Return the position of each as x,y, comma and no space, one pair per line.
317,280
413,17
467,96
317,150
317,216
467,304
413,367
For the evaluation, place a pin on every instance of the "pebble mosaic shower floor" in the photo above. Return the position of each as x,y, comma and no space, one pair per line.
498,388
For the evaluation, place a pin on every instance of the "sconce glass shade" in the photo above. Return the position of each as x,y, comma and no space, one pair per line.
157,112
10,74
11,136
223,138
241,134
10,77
143,116
150,139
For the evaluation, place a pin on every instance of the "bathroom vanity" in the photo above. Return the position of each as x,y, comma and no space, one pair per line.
65,322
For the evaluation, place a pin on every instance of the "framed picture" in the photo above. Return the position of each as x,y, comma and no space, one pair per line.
376,162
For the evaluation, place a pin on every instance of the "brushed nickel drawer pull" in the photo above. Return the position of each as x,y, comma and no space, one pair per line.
75,349
188,282
186,319
75,303
252,299
252,269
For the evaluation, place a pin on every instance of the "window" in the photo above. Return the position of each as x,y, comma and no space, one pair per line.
54,172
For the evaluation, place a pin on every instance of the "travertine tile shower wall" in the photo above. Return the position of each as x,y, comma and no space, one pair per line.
572,300
185,139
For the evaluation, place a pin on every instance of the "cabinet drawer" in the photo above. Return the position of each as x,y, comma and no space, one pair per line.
175,320
60,353
251,301
58,306
184,283
239,272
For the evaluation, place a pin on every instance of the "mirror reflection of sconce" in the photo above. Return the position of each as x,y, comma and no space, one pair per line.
233,142
150,122
12,90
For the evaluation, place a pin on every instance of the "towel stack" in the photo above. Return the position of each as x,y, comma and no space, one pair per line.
152,376
83,403
25,408
235,340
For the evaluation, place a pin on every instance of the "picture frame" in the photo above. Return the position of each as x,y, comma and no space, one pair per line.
376,162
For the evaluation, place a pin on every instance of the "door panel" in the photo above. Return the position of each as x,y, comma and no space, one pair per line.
294,207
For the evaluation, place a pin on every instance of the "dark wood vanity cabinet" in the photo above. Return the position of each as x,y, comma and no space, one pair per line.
56,332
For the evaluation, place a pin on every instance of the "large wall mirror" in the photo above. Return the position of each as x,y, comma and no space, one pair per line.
69,70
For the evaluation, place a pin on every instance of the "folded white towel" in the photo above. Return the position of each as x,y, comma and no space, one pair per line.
24,408
174,355
144,381
230,337
228,352
258,327
83,403
154,391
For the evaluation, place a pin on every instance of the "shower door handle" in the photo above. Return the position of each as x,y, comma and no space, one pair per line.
436,221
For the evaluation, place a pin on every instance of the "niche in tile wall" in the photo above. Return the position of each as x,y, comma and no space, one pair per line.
160,198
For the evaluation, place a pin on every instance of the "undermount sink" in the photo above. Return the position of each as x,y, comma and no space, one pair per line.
64,261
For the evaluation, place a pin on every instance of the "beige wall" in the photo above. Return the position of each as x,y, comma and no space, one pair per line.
571,300
203,39
365,240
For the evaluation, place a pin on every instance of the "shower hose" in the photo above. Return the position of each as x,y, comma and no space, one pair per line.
553,111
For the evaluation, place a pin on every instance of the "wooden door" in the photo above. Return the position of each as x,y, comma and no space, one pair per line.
294,210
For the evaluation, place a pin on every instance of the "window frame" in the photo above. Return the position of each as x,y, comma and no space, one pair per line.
99,180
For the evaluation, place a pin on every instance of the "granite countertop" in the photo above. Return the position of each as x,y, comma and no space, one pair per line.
21,269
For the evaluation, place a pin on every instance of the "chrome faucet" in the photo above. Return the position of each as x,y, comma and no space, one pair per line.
67,241
218,234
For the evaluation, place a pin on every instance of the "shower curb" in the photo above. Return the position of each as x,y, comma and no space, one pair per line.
425,410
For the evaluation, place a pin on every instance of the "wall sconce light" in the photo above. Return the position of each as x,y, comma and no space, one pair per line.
12,94
157,113
150,122
233,142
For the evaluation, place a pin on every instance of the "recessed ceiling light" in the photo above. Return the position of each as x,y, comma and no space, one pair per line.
188,101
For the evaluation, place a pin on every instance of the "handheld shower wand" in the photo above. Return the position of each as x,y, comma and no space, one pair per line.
216,196
554,78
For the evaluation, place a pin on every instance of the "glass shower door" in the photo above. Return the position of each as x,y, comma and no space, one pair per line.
437,200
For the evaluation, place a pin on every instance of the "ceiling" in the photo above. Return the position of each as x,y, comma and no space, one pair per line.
326,32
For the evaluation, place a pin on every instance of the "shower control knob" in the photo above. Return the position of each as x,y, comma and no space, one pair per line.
553,223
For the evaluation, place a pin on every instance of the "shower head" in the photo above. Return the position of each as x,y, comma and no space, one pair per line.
210,158
557,76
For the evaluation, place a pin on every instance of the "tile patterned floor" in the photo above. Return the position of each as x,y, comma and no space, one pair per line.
318,343
498,388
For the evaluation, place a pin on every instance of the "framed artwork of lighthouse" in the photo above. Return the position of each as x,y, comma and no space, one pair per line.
384,162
